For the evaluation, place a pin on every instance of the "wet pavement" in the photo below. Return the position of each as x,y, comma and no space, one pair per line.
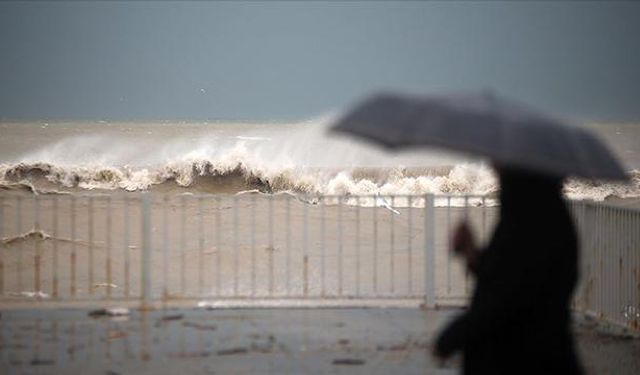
253,341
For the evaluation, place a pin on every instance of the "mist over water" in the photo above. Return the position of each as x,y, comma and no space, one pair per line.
235,157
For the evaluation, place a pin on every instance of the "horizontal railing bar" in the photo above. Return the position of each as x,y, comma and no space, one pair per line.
213,297
292,195
138,194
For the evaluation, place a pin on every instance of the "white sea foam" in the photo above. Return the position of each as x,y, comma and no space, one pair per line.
471,179
299,159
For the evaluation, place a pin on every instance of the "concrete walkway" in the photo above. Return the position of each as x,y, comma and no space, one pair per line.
253,341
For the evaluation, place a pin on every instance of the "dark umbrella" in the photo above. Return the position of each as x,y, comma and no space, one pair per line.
510,134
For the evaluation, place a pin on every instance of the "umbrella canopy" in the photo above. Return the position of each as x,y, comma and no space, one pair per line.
508,133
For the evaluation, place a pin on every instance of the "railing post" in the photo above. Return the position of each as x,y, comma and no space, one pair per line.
145,302
429,252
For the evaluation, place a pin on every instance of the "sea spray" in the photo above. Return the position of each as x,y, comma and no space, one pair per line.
237,175
228,158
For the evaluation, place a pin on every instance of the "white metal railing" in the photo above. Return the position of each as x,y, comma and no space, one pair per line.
610,263
220,248
609,237
282,249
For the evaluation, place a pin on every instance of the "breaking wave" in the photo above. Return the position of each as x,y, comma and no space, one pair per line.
210,176
231,158
230,176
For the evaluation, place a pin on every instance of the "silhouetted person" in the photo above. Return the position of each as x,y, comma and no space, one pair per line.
519,318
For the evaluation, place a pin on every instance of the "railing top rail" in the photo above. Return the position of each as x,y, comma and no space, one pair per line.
134,195
102,194
605,205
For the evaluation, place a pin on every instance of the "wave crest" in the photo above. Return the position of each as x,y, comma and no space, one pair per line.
231,175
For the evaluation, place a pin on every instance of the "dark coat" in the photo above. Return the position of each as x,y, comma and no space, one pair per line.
519,319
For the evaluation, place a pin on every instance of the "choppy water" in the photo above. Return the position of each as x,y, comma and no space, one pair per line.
271,157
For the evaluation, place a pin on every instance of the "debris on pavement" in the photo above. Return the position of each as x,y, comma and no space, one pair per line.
167,318
200,326
233,351
348,362
42,362
110,311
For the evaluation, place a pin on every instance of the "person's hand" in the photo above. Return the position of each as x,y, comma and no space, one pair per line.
437,353
442,349
439,358
463,244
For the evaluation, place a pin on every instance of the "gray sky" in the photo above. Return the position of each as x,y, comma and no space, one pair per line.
283,61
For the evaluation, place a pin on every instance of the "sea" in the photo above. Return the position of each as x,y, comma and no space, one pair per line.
61,157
